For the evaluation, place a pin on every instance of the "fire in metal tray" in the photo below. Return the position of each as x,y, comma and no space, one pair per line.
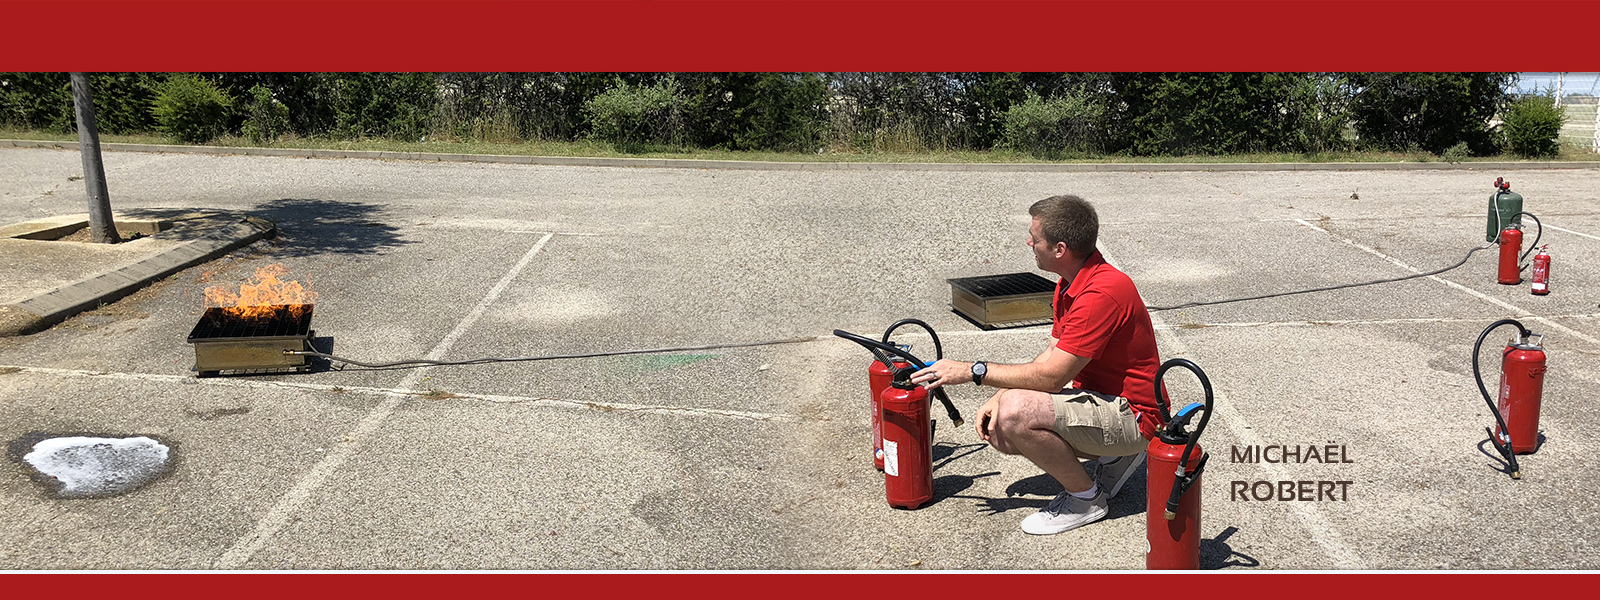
249,331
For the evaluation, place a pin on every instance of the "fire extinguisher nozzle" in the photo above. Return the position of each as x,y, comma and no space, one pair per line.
1516,474
1171,515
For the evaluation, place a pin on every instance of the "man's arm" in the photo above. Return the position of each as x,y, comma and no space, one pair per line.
1051,371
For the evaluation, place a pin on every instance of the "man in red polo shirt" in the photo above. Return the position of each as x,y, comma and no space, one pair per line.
1091,394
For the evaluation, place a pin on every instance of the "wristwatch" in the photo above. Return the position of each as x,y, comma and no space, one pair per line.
979,369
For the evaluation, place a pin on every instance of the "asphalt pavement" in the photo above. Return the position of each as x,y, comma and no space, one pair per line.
758,458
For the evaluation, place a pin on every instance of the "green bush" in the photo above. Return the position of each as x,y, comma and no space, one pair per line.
1049,127
1428,111
631,116
191,108
1533,126
1205,113
756,111
265,117
395,105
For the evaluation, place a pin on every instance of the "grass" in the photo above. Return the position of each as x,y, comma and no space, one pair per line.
829,155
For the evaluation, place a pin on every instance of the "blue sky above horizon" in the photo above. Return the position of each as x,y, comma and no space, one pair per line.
1576,83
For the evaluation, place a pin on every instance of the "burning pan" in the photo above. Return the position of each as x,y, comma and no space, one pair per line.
227,342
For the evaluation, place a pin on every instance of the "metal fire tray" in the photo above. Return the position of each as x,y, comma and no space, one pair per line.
1003,301
227,343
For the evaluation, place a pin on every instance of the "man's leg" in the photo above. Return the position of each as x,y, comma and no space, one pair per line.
1025,424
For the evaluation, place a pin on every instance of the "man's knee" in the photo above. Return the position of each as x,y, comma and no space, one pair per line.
1021,410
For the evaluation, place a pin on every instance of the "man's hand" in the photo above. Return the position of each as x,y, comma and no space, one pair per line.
943,372
986,414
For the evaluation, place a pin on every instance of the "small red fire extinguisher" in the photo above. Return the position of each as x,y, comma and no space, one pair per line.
1516,413
906,424
1172,490
1541,271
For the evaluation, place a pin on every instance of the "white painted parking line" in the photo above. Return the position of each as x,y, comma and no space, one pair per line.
258,384
1520,312
308,484
1322,532
1573,232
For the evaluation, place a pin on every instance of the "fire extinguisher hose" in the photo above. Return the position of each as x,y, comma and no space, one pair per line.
938,353
1477,374
1535,244
879,349
1184,480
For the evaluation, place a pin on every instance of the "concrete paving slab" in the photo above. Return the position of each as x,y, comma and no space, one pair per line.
234,451
677,457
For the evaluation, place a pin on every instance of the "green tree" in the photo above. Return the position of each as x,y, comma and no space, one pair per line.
1428,111
1533,126
191,108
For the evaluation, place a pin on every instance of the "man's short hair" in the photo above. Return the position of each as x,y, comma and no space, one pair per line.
1068,219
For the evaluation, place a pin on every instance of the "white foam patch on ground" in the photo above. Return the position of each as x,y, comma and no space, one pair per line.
90,467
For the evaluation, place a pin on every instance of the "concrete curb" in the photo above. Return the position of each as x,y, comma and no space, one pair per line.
673,163
41,311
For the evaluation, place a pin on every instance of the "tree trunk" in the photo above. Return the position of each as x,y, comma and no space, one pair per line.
101,228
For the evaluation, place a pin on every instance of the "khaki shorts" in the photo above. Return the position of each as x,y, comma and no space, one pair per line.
1098,424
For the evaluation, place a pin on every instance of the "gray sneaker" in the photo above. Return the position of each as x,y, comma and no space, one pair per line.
1112,476
1065,513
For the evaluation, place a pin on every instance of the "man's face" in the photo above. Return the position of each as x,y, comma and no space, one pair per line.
1044,253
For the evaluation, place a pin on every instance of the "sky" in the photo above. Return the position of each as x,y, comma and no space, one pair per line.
1576,83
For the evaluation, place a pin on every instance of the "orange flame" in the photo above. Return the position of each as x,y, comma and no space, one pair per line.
263,296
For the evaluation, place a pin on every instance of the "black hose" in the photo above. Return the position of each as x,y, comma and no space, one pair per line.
415,363
1183,480
1505,451
1321,289
879,348
1536,236
938,351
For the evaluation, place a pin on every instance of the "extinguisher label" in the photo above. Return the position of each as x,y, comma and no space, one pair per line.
891,458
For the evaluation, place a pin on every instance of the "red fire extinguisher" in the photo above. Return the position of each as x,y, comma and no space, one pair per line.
1172,489
1510,247
878,377
1516,414
1511,254
907,424
1541,271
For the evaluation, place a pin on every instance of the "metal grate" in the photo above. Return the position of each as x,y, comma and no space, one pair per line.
217,324
1011,284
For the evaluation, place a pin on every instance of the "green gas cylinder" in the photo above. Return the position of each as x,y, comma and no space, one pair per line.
1505,208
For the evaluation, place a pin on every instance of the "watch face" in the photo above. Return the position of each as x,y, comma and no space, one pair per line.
980,369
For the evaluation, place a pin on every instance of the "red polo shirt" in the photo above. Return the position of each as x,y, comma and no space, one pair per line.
1100,316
